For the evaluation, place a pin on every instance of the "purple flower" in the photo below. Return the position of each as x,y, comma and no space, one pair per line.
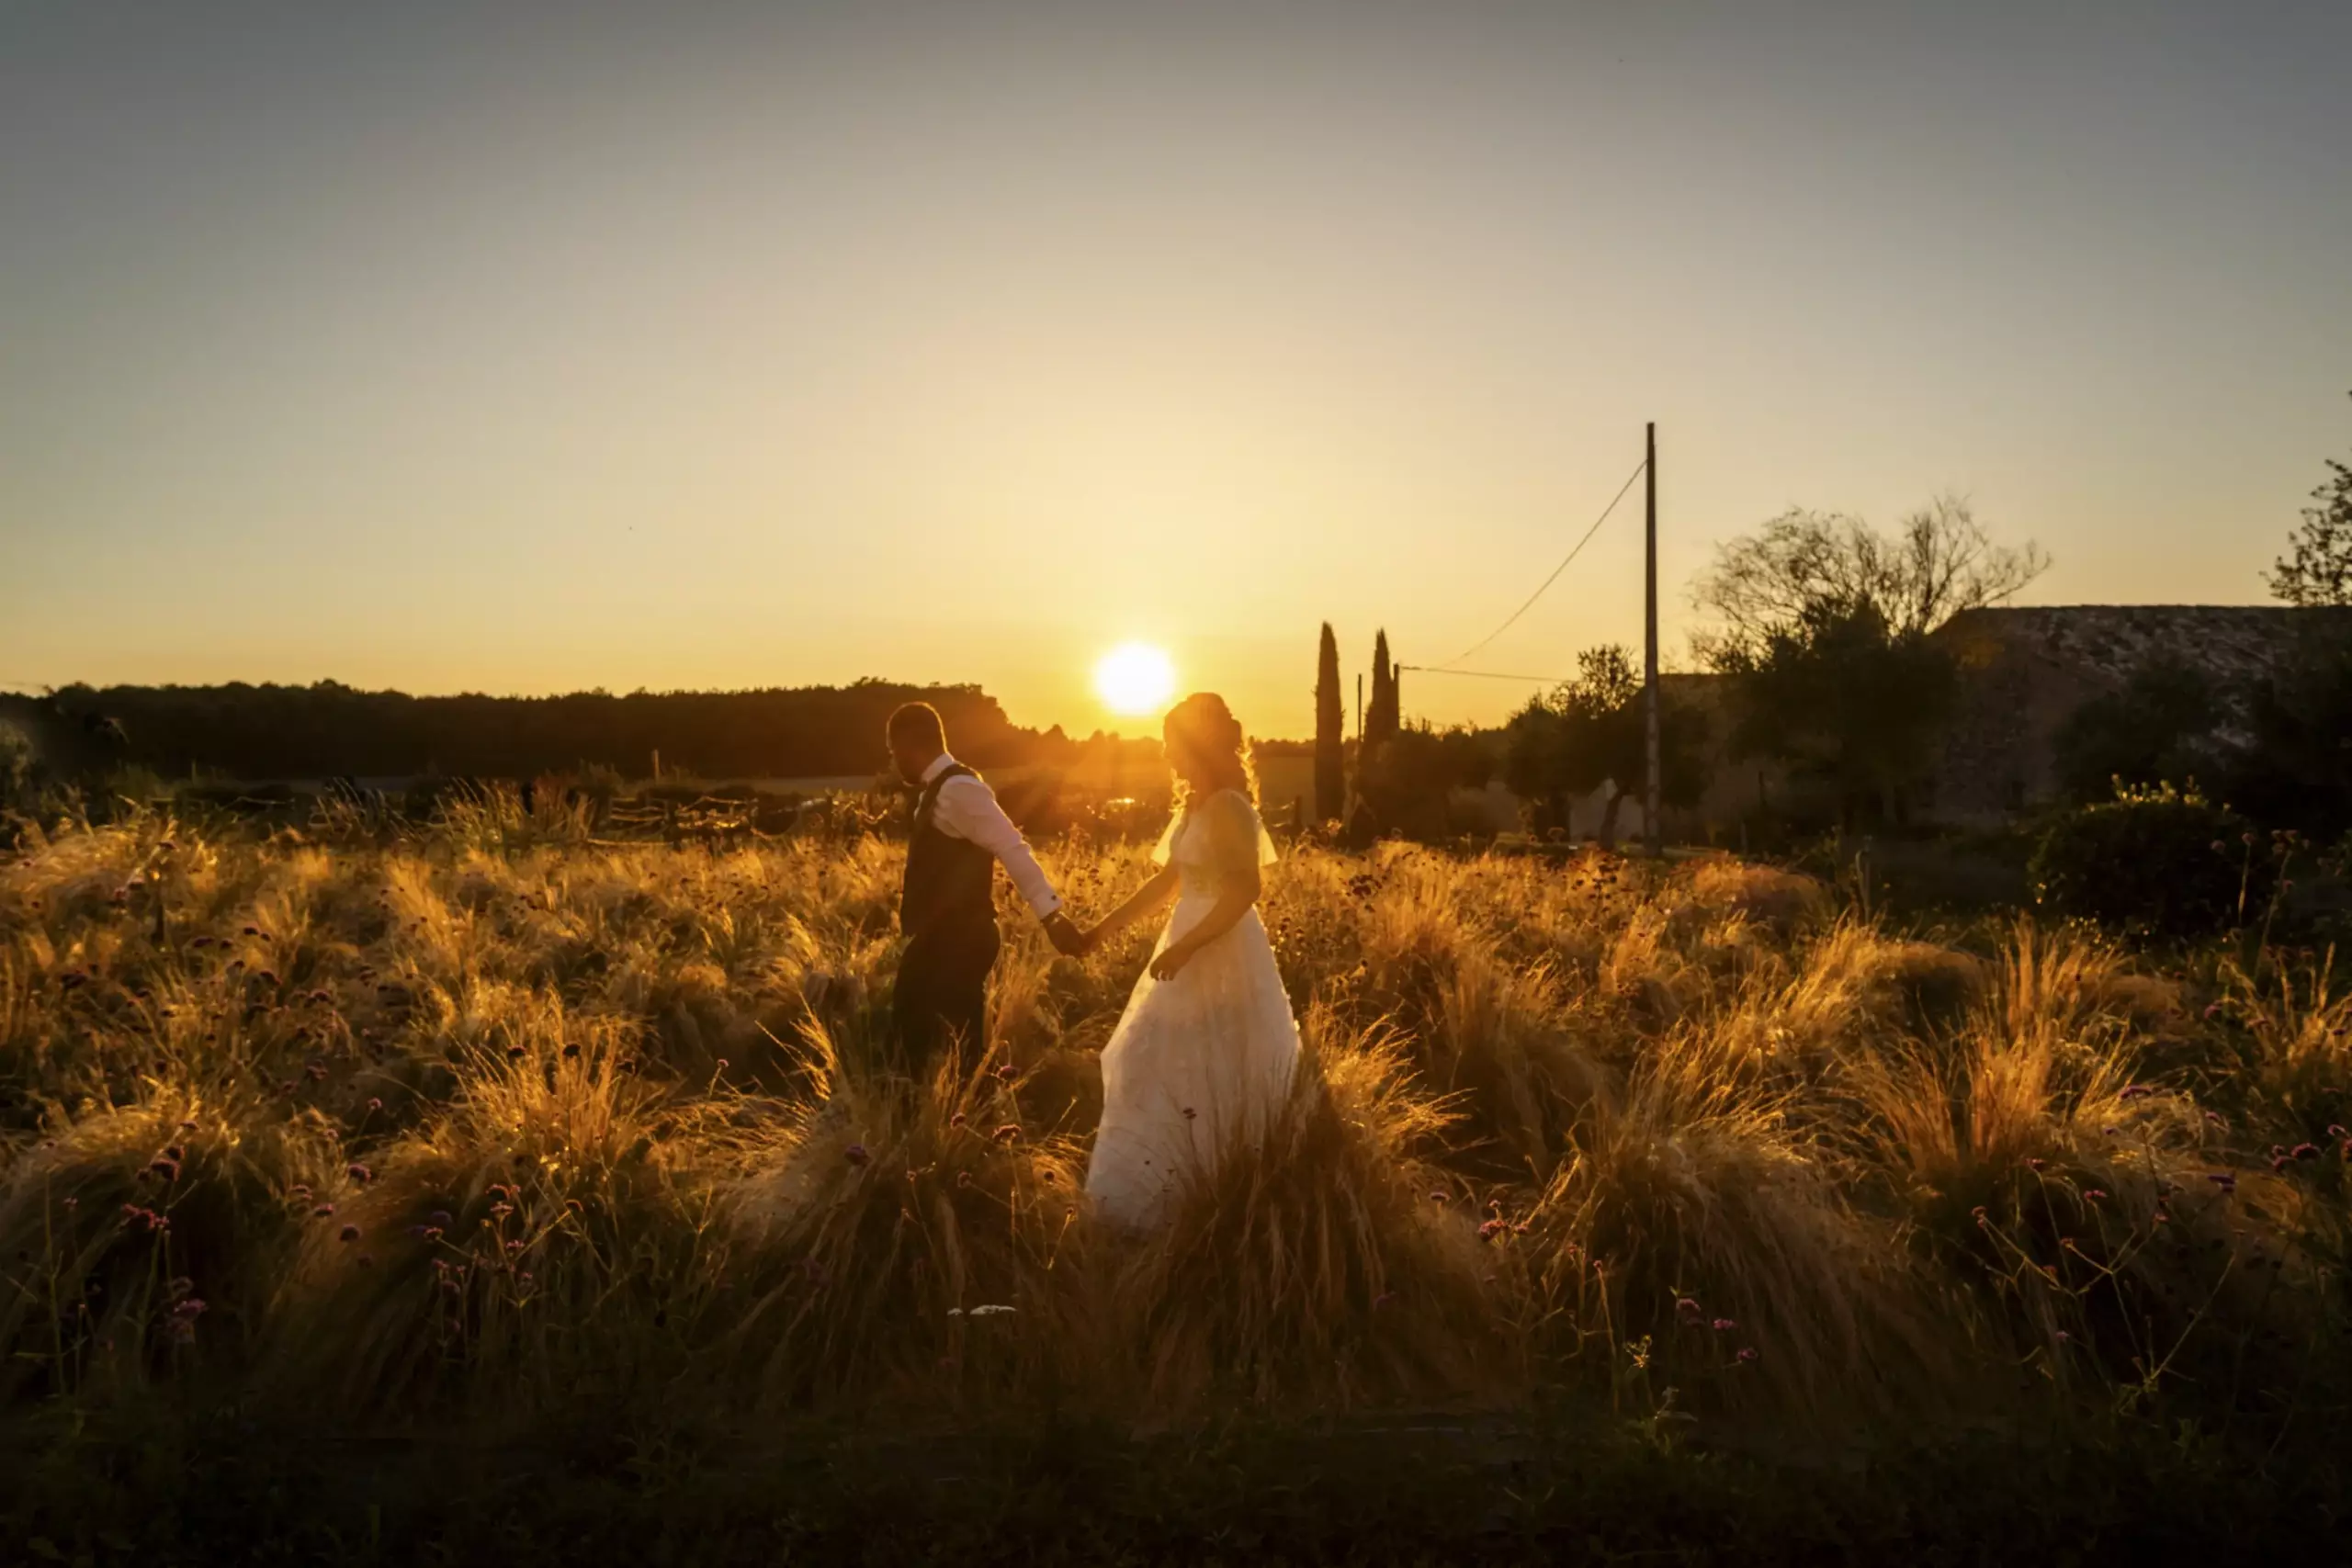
1748,1352
1724,1325
359,1173
351,1232
323,1211
2306,1151
1688,1308
439,1217
1007,1134
2094,1194
855,1154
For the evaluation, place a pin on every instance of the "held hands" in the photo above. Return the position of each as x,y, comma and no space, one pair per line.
1067,940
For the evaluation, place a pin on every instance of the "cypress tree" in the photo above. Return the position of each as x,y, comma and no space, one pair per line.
1331,779
1383,719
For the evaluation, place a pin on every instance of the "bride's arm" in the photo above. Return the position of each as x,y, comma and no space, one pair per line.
1145,899
1239,894
1233,844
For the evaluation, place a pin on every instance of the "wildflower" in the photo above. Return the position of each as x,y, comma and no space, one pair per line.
1439,1197
2094,1194
350,1232
1979,1215
164,1167
374,1103
958,1120
855,1154
1687,1308
323,1211
2033,1165
1008,1133
1490,1229
962,1179
1748,1353
359,1173
2136,1091
1724,1325
438,1217
1004,1071
2063,1337
2212,1011
2306,1151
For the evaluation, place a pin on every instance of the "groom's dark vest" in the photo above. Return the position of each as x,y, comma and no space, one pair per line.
949,893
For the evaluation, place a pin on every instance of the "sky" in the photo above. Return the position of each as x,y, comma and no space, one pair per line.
517,348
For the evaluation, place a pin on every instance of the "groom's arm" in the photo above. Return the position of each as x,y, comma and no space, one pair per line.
967,809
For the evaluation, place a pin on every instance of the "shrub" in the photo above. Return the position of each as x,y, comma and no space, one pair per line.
2154,862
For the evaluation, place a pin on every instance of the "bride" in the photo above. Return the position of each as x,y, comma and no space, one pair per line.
1204,1055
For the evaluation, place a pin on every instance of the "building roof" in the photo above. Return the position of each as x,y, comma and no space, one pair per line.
2108,643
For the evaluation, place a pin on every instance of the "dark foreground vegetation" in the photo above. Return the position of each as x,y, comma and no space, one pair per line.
485,1188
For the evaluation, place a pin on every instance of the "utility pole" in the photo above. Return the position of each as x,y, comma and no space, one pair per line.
1358,718
1650,806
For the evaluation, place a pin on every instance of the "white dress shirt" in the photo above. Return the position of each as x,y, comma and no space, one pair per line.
967,809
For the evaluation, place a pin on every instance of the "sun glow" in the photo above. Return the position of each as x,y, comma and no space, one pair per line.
1134,677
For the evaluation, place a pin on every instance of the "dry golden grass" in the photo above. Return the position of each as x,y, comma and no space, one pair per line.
598,1123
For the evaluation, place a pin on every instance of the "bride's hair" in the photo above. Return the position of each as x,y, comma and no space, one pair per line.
1207,748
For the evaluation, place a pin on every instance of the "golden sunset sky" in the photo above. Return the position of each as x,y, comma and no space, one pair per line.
521,348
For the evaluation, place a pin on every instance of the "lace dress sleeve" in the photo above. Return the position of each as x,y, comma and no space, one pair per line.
1236,840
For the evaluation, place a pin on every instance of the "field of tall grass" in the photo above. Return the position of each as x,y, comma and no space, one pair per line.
487,1123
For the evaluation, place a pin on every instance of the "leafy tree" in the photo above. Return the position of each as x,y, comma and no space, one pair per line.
2319,570
2297,769
1843,696
1330,775
1415,772
1594,731
2159,728
1824,625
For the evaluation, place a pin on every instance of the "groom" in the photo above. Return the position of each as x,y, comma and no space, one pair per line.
947,903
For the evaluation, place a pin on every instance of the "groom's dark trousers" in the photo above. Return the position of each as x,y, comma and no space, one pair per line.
947,909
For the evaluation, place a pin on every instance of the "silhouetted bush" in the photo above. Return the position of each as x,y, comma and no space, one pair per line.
2153,861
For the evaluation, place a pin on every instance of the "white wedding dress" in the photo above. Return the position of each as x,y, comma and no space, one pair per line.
1203,1061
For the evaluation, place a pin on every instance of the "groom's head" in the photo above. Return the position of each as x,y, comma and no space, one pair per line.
917,737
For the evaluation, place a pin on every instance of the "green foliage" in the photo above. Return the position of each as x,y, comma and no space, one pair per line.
1844,695
2318,570
1594,730
1409,775
2297,772
2155,860
2159,726
1330,721
1384,716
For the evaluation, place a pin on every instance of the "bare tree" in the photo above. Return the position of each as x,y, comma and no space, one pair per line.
1801,564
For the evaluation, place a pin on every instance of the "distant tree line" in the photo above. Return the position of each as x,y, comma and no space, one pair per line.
328,729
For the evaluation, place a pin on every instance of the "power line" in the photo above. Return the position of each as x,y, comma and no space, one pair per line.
1486,674
1581,543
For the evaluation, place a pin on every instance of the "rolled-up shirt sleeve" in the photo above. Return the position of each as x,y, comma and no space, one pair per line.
969,809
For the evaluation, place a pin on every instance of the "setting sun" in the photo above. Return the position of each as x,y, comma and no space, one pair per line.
1135,678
